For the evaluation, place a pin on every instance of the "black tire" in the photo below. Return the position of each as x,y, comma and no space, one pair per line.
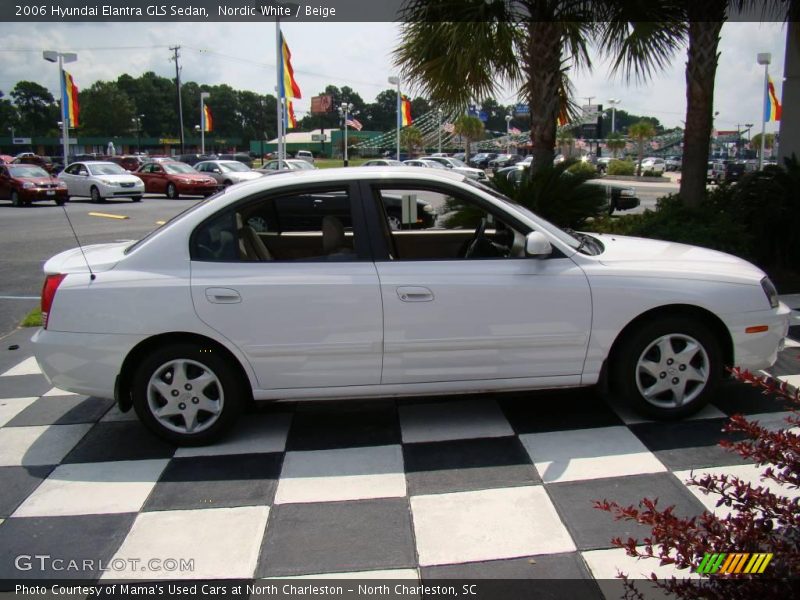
172,191
227,183
136,198
628,380
15,201
95,195
229,388
61,202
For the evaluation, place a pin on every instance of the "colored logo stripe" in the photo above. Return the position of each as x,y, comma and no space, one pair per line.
737,562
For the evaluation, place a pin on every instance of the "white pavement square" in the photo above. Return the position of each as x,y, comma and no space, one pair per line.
11,407
38,445
453,421
58,392
253,434
381,574
487,525
605,564
344,474
94,488
29,366
221,543
589,454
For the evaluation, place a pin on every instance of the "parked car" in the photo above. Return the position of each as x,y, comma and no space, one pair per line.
382,162
653,164
734,170
281,166
6,159
423,162
225,303
450,162
715,172
481,160
504,160
673,163
129,162
602,163
100,180
34,159
227,172
305,155
175,178
242,157
458,156
24,184
193,159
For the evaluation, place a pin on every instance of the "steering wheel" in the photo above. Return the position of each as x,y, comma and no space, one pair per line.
475,238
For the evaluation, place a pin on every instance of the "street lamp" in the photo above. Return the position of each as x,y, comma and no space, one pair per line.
396,81
508,133
203,124
137,121
344,113
61,58
440,130
764,58
613,102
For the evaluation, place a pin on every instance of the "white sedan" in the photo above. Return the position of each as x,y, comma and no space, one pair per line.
654,165
295,287
99,180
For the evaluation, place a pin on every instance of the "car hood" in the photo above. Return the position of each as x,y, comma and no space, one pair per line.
38,180
101,257
658,258
119,178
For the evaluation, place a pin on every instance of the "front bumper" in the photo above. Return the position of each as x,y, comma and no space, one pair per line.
754,351
119,191
37,194
194,189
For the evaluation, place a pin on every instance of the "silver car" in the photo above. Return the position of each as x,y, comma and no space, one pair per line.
279,166
227,172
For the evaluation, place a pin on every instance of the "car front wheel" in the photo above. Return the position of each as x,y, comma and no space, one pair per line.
172,191
669,368
95,194
15,201
187,394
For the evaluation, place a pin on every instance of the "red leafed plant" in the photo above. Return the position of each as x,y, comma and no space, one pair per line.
759,520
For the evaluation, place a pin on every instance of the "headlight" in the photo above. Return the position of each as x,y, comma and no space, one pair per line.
628,192
428,208
61,184
28,185
770,291
108,182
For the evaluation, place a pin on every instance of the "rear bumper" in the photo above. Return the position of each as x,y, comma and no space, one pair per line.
755,351
83,363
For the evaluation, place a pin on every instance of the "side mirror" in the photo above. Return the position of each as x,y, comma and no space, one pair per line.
537,245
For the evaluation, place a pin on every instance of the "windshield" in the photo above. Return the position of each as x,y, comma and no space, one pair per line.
457,163
301,164
176,167
234,166
106,169
28,171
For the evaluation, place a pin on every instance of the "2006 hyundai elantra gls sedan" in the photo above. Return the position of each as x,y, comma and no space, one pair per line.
296,287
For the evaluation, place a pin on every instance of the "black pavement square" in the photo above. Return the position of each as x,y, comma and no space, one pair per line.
337,537
217,481
23,386
463,465
62,410
16,484
685,445
91,538
126,440
592,528
556,410
734,397
21,338
348,424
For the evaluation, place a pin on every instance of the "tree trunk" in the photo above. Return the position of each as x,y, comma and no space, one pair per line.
641,157
543,71
701,69
789,134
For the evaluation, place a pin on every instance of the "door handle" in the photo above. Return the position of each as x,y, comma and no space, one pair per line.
223,296
414,294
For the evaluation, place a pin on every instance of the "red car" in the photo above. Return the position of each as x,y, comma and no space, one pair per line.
23,184
175,178
127,162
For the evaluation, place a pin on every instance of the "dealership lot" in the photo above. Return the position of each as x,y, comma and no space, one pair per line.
490,486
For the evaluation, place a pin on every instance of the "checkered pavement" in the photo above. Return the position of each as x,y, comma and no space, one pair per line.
497,486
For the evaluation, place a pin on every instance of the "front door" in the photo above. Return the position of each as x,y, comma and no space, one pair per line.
298,294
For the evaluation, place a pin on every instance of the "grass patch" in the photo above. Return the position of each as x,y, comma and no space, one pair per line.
331,163
34,318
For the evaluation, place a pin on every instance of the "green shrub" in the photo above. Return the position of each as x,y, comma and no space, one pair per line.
582,167
621,167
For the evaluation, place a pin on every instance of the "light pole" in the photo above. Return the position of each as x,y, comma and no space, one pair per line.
508,133
764,58
137,121
613,102
396,81
203,124
61,58
440,130
344,112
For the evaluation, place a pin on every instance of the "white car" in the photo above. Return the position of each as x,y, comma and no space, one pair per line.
295,287
227,172
99,180
654,165
305,155
382,162
458,166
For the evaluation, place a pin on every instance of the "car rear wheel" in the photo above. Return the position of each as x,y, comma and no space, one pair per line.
172,191
668,368
136,198
95,194
15,201
187,394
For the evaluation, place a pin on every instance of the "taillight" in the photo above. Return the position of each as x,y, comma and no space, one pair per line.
49,288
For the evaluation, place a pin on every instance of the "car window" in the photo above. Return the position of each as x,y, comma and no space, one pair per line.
312,226
106,169
234,166
424,223
178,168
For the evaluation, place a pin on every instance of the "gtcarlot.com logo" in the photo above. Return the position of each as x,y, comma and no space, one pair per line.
724,563
46,562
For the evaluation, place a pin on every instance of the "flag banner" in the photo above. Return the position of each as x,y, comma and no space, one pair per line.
69,102
289,118
563,119
514,131
449,127
772,106
208,120
289,87
355,124
405,112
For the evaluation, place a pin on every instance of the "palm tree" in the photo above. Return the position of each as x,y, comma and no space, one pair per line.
615,142
471,129
641,132
531,43
411,139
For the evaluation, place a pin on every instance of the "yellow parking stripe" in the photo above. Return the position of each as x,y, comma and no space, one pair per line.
160,222
108,215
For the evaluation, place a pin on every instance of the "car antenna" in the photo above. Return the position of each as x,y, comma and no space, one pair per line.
92,276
